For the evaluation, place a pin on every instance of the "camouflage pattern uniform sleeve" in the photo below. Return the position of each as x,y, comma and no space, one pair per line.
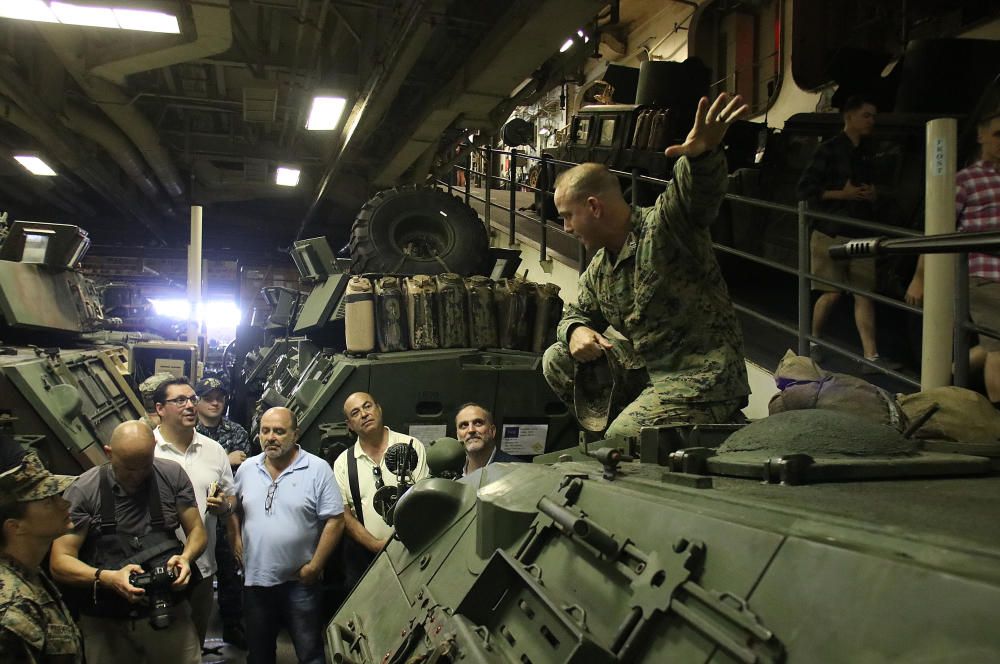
694,195
22,634
586,310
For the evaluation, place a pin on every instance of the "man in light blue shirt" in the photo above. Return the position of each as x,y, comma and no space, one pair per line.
290,518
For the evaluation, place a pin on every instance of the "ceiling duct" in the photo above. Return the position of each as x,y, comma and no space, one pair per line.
69,155
68,46
213,34
87,124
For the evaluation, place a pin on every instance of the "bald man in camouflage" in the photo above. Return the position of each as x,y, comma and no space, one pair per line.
655,280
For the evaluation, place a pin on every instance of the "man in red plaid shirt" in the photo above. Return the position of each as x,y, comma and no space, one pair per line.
977,205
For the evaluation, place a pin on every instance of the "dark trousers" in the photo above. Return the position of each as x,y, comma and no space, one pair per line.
291,605
230,582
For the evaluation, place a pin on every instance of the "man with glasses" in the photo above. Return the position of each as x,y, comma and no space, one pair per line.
213,423
288,523
207,464
361,471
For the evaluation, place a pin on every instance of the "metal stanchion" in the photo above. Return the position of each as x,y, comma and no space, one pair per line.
805,305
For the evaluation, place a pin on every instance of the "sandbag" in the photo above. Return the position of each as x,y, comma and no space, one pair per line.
804,385
962,415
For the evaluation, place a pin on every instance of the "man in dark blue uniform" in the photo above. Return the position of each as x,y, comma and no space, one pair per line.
212,422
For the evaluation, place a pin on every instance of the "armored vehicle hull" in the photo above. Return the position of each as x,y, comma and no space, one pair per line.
572,562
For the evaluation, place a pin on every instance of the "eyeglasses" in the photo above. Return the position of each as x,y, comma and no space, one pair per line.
180,401
270,497
377,472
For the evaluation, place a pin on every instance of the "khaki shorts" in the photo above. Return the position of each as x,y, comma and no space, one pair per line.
857,272
984,307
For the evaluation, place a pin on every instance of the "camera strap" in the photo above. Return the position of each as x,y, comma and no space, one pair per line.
352,480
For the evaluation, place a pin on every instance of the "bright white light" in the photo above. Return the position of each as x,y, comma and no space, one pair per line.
325,113
287,177
569,42
34,164
147,21
27,10
544,131
96,17
178,308
220,314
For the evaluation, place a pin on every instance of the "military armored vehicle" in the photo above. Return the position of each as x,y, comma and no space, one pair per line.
63,382
804,537
405,237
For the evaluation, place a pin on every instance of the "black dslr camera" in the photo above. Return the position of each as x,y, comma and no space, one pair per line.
157,585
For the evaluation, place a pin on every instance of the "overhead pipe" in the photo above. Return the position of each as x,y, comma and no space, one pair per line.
85,123
38,122
68,47
213,34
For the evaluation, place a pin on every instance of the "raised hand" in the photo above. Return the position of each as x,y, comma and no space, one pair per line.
710,125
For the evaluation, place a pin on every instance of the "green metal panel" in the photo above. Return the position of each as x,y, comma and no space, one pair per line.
24,285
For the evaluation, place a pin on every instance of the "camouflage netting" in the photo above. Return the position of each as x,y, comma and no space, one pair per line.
818,433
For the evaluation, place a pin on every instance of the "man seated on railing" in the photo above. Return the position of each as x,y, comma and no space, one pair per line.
838,180
655,279
977,206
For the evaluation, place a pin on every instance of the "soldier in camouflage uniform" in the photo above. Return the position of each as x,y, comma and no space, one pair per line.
234,439
655,280
35,625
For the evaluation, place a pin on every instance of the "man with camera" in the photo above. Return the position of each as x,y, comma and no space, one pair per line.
208,467
122,564
362,473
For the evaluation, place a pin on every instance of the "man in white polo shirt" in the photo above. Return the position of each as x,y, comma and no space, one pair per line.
368,530
207,465
289,522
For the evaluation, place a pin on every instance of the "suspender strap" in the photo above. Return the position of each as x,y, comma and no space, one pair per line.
109,523
352,480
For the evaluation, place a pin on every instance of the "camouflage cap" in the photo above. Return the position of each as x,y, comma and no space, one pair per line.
595,389
29,480
206,385
148,386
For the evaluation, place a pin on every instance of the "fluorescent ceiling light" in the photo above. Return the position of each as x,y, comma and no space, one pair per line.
287,177
325,113
569,42
34,164
95,17
147,21
27,10
90,16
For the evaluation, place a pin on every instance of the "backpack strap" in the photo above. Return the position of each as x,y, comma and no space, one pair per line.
352,480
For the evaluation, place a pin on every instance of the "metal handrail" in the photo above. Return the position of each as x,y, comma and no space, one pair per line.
803,271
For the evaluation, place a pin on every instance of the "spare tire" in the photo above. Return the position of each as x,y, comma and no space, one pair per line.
418,230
